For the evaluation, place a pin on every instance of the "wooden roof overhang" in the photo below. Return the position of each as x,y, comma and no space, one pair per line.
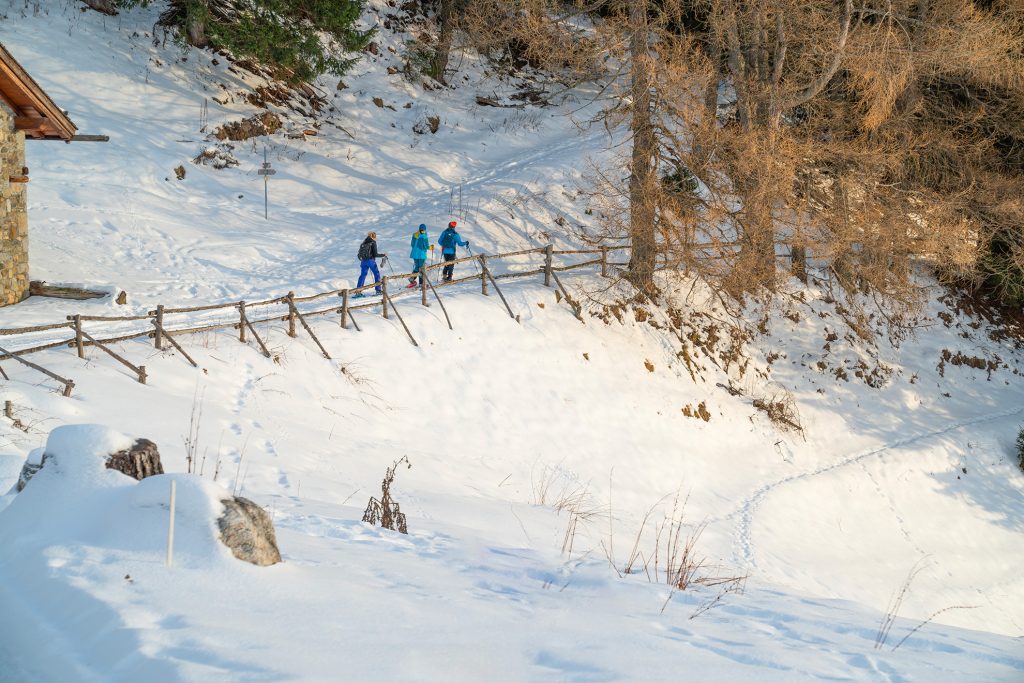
34,111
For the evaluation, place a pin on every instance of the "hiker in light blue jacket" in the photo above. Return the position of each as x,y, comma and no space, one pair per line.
448,240
420,246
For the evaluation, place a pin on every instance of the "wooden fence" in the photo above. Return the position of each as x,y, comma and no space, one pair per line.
164,323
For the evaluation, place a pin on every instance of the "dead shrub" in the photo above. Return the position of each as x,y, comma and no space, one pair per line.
780,407
266,123
220,157
555,487
386,511
674,558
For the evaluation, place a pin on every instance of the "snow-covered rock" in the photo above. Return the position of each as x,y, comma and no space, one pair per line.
246,528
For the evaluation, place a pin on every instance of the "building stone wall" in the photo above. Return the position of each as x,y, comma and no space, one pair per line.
13,212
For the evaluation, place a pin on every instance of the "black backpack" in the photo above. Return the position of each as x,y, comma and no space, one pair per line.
365,250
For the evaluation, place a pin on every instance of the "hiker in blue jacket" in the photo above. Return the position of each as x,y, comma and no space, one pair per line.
420,246
448,240
368,256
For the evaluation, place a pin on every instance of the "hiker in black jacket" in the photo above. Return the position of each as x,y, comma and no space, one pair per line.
368,255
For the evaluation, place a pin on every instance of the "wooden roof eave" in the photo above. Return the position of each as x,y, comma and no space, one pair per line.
35,112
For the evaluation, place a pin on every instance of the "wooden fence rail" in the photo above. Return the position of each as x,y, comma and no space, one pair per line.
161,329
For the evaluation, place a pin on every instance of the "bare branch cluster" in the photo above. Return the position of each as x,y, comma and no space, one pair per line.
386,511
850,141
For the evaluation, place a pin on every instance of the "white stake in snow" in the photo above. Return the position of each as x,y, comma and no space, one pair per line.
170,527
266,172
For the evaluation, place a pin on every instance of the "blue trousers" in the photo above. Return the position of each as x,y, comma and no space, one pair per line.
371,266
417,263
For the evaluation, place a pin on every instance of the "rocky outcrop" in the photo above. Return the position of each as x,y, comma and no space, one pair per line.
246,529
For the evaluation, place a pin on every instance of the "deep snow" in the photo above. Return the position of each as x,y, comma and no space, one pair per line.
827,528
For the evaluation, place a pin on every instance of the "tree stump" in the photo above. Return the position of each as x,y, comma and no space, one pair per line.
30,468
138,462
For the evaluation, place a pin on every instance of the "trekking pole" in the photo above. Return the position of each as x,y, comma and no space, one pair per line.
473,256
390,267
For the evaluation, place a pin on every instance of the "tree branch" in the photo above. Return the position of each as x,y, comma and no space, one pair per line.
803,95
780,49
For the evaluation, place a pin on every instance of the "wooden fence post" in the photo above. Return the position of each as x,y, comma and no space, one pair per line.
384,290
295,312
78,336
423,285
140,370
604,261
399,316
483,275
9,410
243,323
344,309
577,310
291,315
178,346
68,384
487,274
548,256
158,337
443,309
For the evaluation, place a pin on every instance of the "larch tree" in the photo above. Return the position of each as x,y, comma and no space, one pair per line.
297,39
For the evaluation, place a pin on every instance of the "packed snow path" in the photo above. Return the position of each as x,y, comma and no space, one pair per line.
744,544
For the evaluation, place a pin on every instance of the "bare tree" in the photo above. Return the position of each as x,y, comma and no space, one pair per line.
446,24
643,177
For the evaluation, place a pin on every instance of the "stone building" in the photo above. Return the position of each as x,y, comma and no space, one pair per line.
25,112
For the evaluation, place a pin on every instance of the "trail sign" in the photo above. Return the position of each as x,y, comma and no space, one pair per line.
266,171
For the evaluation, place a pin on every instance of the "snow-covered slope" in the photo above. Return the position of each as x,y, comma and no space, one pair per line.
502,422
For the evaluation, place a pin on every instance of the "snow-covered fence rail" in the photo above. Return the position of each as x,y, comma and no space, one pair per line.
164,323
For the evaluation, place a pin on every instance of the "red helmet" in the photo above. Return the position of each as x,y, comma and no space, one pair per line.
452,224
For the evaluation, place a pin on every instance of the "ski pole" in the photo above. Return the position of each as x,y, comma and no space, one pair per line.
390,267
473,256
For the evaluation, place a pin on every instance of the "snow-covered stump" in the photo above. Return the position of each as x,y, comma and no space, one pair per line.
32,465
247,530
139,461
75,466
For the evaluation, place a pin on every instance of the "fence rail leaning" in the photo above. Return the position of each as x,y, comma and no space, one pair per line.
160,322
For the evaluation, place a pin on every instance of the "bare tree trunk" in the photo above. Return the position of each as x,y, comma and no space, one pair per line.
643,164
446,33
758,239
195,32
711,97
